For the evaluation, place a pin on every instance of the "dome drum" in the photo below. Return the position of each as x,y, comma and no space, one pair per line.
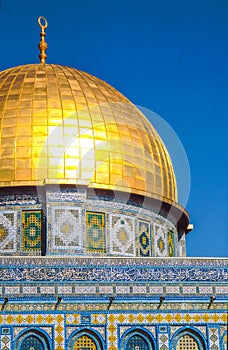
64,220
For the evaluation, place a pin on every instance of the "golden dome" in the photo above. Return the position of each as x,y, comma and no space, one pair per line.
59,125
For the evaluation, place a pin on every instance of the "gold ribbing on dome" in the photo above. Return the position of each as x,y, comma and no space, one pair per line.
42,44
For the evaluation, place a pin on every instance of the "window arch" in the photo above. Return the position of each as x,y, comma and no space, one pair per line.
137,342
85,340
137,339
85,343
32,340
187,342
188,339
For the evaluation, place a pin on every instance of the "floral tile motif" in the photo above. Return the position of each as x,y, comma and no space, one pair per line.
160,241
122,235
31,230
95,226
144,238
66,228
171,245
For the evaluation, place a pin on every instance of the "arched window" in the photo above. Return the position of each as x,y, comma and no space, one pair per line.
187,342
188,339
32,343
85,343
137,342
32,340
85,340
137,339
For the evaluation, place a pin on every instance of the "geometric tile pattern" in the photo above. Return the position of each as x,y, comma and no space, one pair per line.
144,238
65,289
112,336
163,340
31,320
59,334
8,231
69,230
221,289
12,289
98,318
46,289
31,230
160,241
122,289
189,289
66,228
172,289
122,235
107,289
171,246
153,289
214,338
85,289
117,323
206,289
5,342
95,227
139,289
73,319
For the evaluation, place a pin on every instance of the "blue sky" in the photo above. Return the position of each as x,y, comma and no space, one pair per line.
167,56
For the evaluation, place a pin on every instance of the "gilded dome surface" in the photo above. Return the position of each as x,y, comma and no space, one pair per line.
59,125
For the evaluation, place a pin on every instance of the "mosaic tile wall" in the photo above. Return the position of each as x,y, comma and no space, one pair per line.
8,231
5,338
65,225
122,235
170,243
111,330
31,230
96,233
76,225
20,225
96,278
145,238
85,285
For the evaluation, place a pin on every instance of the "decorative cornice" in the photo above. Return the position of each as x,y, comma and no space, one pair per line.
113,269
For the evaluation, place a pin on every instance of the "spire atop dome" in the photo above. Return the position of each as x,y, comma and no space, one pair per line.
42,44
